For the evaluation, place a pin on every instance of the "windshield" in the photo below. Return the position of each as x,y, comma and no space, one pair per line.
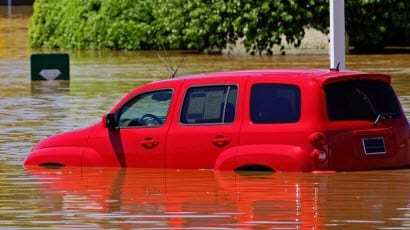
361,100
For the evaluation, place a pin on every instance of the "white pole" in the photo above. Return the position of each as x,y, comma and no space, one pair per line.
337,34
9,3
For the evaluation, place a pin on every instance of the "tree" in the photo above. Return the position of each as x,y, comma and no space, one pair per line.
373,24
96,24
210,25
262,23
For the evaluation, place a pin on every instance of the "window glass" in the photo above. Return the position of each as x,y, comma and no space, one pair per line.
361,100
275,103
148,109
209,104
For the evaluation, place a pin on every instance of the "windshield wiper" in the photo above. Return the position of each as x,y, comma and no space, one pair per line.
383,116
367,100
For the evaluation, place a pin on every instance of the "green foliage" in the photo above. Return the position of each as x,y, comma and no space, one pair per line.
169,21
372,24
207,25
114,24
262,23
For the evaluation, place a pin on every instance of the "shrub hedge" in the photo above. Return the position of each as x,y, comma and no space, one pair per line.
208,25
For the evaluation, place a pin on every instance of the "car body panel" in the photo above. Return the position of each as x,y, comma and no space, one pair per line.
199,145
56,156
125,147
347,150
293,135
61,149
139,147
347,138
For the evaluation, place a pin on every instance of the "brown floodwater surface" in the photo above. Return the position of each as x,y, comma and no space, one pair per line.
202,199
101,198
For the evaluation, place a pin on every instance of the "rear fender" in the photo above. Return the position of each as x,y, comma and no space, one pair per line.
276,157
226,160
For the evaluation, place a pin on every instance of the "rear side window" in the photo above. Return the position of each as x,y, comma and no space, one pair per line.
361,100
209,104
275,103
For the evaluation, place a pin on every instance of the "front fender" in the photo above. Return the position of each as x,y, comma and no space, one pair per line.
92,158
277,157
58,156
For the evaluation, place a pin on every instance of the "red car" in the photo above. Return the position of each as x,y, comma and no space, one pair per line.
277,120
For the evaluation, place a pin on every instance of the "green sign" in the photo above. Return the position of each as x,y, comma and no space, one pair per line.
52,66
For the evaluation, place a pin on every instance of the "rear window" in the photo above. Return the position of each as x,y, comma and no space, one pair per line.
275,103
361,100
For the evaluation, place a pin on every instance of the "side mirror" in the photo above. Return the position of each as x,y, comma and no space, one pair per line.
108,121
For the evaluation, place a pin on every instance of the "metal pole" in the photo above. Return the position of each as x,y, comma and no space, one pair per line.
337,34
9,3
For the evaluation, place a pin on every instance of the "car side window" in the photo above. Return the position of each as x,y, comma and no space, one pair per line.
275,103
147,109
209,105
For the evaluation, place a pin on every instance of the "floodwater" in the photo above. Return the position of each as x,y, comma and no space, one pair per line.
98,198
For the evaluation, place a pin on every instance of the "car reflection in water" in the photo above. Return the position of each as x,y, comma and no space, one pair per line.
143,198
181,198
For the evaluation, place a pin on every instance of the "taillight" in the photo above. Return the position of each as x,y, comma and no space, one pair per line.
319,156
320,153
318,140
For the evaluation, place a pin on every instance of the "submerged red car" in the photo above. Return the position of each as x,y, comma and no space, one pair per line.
278,120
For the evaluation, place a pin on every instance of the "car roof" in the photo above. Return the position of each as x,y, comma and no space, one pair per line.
323,76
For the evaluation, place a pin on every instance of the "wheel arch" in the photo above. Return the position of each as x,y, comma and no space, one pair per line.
272,157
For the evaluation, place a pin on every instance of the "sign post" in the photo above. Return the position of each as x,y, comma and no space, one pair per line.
53,66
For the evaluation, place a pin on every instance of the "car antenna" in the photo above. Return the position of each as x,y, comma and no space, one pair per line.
337,67
169,63
174,73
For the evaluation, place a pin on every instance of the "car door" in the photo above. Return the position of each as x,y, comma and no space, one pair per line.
140,135
272,135
207,125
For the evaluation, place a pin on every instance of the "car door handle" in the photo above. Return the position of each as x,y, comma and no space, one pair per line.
149,143
221,141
